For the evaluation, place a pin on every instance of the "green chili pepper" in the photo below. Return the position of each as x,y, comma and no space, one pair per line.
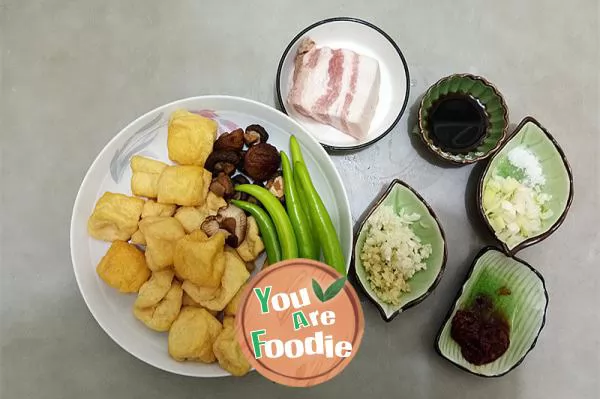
332,251
283,226
306,244
295,151
298,157
266,227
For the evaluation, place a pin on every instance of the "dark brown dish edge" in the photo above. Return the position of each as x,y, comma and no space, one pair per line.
457,297
433,285
556,225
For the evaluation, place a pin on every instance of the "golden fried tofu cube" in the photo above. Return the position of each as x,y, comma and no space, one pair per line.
190,138
232,307
115,217
193,334
190,218
146,171
161,234
228,352
161,316
198,294
184,185
252,246
200,259
153,208
123,267
138,238
234,276
155,289
189,301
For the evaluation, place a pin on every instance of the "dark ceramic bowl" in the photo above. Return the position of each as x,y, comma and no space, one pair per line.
483,92
400,195
518,291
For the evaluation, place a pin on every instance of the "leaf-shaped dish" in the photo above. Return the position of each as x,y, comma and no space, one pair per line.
401,196
555,168
525,308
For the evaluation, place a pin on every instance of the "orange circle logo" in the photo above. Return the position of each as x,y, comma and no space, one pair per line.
299,323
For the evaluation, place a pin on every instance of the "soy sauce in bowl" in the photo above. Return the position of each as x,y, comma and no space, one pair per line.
457,123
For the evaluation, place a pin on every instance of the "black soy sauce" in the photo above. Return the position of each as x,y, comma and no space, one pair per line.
457,123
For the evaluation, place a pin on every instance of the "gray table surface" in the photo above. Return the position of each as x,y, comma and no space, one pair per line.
73,73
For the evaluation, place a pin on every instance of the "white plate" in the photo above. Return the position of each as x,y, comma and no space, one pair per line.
147,135
364,38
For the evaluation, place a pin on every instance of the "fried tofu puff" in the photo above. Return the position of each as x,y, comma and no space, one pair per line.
155,289
153,208
228,352
115,217
123,267
198,294
189,301
190,138
200,259
252,246
161,316
144,180
184,185
234,277
191,218
232,307
161,234
193,334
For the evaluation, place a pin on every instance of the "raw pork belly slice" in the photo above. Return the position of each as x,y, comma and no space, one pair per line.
337,87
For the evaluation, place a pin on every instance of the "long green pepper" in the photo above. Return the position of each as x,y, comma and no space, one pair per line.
332,251
283,226
300,221
266,227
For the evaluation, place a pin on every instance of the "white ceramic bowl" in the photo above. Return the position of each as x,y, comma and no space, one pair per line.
147,135
364,38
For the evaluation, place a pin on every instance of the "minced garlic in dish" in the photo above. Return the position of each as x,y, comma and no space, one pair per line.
392,253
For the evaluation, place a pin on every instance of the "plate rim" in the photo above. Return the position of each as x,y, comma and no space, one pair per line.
86,177
281,103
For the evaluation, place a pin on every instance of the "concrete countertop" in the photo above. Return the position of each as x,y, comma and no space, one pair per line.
73,73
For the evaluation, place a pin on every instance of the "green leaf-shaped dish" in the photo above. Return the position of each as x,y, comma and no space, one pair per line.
556,170
525,309
482,91
401,196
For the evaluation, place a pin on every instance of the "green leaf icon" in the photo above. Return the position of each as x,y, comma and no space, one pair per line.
334,289
317,290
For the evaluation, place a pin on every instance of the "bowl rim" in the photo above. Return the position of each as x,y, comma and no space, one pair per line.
482,252
559,221
78,198
281,102
440,274
429,143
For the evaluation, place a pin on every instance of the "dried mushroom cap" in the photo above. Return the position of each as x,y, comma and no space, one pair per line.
224,167
222,186
255,134
237,180
262,161
234,221
222,157
210,226
230,220
275,186
232,141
